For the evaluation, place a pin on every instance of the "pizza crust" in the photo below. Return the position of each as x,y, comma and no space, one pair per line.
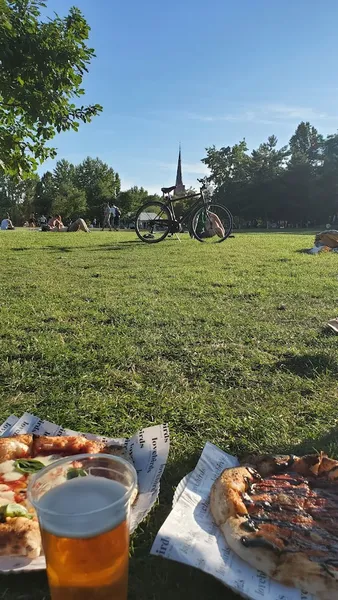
66,445
228,510
19,446
225,499
263,560
20,537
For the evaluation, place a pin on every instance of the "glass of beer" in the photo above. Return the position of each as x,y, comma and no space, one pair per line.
83,505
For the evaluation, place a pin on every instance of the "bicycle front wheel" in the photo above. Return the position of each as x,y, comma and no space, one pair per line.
212,223
153,222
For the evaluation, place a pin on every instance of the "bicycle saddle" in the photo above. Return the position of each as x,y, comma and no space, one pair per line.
168,190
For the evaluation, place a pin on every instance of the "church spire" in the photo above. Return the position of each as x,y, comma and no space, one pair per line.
179,186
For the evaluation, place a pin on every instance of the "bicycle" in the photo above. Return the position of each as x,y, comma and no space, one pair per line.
207,221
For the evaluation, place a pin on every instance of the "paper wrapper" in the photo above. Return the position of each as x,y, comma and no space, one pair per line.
190,536
148,449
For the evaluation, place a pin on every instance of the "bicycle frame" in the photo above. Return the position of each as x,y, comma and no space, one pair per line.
169,202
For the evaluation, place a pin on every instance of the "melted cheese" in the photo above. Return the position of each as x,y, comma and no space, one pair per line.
6,497
18,446
14,476
3,487
7,467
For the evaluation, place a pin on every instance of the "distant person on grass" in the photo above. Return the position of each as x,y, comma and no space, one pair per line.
78,225
116,215
7,224
328,238
106,217
55,224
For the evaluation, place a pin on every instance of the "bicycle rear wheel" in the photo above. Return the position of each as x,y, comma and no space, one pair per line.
212,223
153,222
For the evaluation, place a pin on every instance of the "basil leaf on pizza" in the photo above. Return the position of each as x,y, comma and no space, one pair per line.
280,514
28,465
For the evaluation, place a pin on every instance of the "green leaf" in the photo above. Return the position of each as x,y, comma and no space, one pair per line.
20,80
28,465
7,25
73,472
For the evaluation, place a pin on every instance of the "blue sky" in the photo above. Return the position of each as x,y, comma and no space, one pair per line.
200,73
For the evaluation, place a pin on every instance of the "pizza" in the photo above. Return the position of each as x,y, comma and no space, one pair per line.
280,515
20,458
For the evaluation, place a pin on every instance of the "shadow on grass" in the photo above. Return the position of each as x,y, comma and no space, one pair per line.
308,365
277,232
51,248
328,442
109,247
99,248
15,585
130,242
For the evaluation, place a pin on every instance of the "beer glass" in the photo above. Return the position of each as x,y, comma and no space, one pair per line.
83,505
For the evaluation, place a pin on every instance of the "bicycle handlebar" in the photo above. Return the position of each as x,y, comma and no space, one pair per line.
202,188
203,184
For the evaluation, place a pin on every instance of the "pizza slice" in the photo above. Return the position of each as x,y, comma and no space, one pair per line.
32,446
21,457
280,514
19,532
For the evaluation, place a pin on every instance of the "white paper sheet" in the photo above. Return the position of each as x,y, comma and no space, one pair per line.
148,448
190,536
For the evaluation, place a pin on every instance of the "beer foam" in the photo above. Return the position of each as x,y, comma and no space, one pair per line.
68,510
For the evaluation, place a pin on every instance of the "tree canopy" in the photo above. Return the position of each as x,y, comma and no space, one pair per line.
296,184
98,181
70,190
130,200
42,67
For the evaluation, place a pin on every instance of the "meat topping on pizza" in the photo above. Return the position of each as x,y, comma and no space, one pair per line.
288,512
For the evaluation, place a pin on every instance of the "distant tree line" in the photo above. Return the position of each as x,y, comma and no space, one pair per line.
293,186
296,185
70,190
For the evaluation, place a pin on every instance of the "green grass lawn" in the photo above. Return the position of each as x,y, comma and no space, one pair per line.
226,343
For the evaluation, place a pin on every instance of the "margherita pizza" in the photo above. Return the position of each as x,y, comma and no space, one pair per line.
20,457
280,514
